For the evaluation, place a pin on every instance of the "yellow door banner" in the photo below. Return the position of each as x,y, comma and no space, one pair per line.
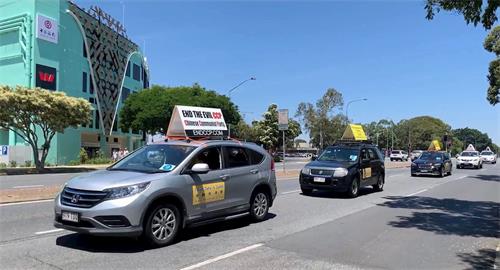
366,173
207,193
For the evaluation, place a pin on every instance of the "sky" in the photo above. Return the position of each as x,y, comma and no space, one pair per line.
384,51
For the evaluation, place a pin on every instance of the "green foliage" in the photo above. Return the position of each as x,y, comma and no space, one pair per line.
37,114
268,133
150,109
475,137
472,10
244,132
12,164
321,121
27,163
3,165
419,132
74,162
277,158
492,44
83,156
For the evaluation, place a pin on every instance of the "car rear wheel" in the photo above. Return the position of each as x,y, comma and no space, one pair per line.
259,205
441,172
380,183
162,225
306,191
353,190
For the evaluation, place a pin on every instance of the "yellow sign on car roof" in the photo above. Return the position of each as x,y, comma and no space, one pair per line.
354,132
435,146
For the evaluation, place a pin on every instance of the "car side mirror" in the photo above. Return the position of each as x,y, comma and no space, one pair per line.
314,157
199,168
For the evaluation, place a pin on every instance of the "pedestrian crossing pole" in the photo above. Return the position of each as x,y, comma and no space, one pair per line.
284,151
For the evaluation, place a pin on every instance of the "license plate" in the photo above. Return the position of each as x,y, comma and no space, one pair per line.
423,171
70,216
319,179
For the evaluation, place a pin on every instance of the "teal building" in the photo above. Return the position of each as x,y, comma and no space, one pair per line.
59,46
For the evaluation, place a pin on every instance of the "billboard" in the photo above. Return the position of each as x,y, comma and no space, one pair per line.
46,77
197,122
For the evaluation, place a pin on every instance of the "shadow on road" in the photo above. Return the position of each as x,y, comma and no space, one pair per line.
482,259
447,216
490,177
337,195
131,245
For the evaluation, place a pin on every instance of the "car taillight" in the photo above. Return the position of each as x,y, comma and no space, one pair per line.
272,164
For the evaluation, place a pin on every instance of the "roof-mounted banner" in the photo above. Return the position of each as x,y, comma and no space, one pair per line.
470,148
354,132
434,146
187,121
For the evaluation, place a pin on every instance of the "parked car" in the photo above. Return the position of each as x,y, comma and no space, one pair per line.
433,163
469,159
488,156
344,167
399,155
415,154
161,188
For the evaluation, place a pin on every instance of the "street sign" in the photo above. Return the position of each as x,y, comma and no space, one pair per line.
354,132
5,150
283,119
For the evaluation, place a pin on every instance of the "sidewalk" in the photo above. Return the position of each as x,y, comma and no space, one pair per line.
57,169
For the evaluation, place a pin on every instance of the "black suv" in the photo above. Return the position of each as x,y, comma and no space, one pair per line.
431,162
345,166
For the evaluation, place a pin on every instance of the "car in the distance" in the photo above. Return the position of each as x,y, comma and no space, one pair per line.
415,154
161,188
488,157
469,159
433,163
344,167
399,155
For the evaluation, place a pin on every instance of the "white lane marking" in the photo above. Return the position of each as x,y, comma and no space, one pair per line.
49,231
289,192
29,202
462,177
222,257
399,174
32,186
415,193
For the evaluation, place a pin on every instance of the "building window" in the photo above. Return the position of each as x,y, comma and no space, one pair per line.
127,73
96,119
137,73
84,49
84,82
125,93
115,125
91,85
115,140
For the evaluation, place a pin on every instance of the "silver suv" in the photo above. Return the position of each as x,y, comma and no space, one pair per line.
161,188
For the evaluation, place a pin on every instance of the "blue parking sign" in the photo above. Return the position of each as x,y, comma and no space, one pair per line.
5,149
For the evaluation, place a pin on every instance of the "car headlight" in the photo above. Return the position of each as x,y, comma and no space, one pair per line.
340,172
306,170
126,191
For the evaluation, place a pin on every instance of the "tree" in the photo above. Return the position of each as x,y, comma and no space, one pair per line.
323,125
150,109
475,137
268,133
36,115
492,44
245,132
472,10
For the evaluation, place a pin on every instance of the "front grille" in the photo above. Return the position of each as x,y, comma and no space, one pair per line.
81,198
321,172
113,221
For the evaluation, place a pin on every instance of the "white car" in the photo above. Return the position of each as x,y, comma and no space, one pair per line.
469,159
399,155
415,154
488,156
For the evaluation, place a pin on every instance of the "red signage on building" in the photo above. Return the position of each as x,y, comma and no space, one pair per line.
46,77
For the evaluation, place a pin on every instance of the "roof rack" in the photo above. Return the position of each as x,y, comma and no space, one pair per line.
190,139
353,142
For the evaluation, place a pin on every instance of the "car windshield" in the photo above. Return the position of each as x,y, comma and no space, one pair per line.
339,154
469,154
431,156
154,158
486,153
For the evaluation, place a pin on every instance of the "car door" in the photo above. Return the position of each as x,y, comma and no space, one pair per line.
208,191
375,164
447,162
242,174
365,168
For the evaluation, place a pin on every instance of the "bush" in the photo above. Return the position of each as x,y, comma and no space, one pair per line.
82,156
13,164
277,159
3,165
27,163
74,162
99,160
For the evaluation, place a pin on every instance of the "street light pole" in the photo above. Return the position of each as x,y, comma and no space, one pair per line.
229,95
349,103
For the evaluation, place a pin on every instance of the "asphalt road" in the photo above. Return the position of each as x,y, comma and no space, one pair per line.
415,223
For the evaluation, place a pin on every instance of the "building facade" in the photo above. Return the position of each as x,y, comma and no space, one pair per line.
56,45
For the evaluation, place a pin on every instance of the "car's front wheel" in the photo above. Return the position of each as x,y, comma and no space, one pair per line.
380,183
353,189
162,225
259,205
306,191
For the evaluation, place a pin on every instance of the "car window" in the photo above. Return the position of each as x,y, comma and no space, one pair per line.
255,157
211,156
364,154
371,154
237,157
